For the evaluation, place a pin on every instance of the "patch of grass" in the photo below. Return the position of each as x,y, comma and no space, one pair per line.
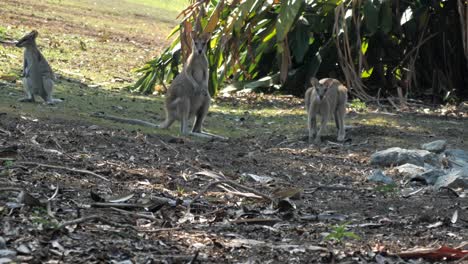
8,163
173,5
2,33
387,188
358,105
339,233
118,36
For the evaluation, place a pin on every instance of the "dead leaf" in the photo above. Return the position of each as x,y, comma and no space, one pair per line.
284,193
257,221
120,199
454,218
434,254
8,78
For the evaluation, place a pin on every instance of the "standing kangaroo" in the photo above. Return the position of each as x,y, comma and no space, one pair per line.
188,94
38,77
325,98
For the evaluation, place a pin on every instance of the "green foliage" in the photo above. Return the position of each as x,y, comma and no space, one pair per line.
3,31
180,191
387,188
8,163
40,218
358,105
294,38
339,233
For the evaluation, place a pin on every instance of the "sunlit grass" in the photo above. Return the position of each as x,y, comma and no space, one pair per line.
173,5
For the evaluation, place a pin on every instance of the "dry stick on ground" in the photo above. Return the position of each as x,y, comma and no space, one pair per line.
6,132
168,229
170,147
11,189
125,120
91,218
149,217
55,194
62,168
232,183
118,205
393,104
329,188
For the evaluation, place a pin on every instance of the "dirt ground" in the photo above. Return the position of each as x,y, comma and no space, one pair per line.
163,174
76,189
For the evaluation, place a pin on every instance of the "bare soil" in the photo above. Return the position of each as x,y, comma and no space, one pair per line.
160,174
224,226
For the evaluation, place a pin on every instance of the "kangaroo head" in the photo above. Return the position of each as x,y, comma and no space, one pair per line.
28,40
320,89
200,42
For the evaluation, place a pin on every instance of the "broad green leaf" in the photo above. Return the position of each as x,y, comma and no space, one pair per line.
299,42
386,17
288,15
371,17
367,73
364,46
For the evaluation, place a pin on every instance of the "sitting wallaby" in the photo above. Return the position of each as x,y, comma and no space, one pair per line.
38,77
325,97
188,94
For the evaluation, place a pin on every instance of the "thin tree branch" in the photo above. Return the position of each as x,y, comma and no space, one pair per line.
62,168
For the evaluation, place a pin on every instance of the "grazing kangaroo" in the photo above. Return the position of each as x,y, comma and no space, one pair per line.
38,76
188,94
325,97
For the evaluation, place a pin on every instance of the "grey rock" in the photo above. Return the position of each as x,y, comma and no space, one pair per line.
2,243
457,158
430,177
23,249
5,260
399,156
409,169
437,146
456,178
379,176
7,253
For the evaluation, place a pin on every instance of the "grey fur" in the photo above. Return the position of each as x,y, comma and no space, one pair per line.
38,77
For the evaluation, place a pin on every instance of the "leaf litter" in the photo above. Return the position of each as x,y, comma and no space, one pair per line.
176,200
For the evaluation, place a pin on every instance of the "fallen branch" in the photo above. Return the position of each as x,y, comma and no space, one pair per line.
62,168
91,218
125,120
241,194
139,122
79,221
393,104
6,132
170,147
11,189
160,230
118,205
55,194
330,188
149,217
7,159
232,183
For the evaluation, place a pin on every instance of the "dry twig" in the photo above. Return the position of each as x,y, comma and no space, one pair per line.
232,183
63,168
149,217
91,218
125,120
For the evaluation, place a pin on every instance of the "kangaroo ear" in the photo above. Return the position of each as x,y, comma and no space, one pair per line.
206,36
194,34
314,81
34,33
